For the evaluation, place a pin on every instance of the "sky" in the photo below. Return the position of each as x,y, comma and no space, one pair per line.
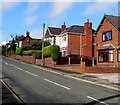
19,16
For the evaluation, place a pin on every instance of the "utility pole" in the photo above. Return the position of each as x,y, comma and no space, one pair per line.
43,44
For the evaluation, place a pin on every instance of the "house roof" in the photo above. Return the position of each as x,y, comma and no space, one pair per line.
118,47
109,47
24,38
55,31
114,20
74,29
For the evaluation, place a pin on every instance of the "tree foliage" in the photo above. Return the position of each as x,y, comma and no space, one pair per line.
37,44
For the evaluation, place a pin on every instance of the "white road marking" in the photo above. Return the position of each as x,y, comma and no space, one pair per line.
57,84
31,73
97,100
11,64
18,68
5,62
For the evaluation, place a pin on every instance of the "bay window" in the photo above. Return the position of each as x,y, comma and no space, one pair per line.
105,56
118,55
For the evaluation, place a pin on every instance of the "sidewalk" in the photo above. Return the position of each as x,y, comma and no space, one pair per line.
109,79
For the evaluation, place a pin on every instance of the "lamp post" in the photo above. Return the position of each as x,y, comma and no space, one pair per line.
43,44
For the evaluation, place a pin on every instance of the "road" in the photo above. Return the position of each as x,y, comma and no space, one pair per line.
35,85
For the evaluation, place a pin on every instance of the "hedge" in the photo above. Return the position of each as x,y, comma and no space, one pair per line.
53,51
37,53
20,50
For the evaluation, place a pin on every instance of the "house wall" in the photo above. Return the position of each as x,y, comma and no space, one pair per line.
25,41
115,39
58,40
118,37
73,44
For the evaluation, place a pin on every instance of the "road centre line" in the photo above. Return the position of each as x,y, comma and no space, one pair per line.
18,68
57,84
5,62
11,64
31,73
97,100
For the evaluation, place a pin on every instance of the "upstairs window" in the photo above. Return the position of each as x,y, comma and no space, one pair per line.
107,36
64,38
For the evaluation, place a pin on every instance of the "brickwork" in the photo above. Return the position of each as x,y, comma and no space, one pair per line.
87,40
115,39
26,41
73,44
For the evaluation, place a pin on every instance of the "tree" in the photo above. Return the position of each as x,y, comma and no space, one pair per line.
37,44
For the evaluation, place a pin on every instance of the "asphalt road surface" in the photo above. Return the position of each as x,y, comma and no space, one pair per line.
35,85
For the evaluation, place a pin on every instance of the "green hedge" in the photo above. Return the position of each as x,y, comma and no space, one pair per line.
53,51
37,53
20,50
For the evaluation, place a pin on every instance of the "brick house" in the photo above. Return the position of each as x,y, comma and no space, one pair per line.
74,40
26,40
108,40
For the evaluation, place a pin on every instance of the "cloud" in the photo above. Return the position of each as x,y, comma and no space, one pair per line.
2,43
32,7
30,20
36,34
59,8
99,5
9,5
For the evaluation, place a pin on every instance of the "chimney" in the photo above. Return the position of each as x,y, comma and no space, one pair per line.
27,33
88,38
63,27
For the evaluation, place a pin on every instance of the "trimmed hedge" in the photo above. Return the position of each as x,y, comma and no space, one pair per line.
53,51
37,53
20,50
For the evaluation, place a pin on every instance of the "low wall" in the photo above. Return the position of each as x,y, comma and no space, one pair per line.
30,59
69,68
80,68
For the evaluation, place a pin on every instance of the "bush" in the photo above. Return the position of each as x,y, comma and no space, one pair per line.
53,51
47,51
37,53
20,50
29,52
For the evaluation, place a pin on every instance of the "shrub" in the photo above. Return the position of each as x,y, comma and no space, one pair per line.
53,51
37,53
29,52
47,51
20,50
12,52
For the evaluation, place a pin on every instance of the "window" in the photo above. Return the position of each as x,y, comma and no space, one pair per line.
118,55
105,56
63,51
64,38
107,36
